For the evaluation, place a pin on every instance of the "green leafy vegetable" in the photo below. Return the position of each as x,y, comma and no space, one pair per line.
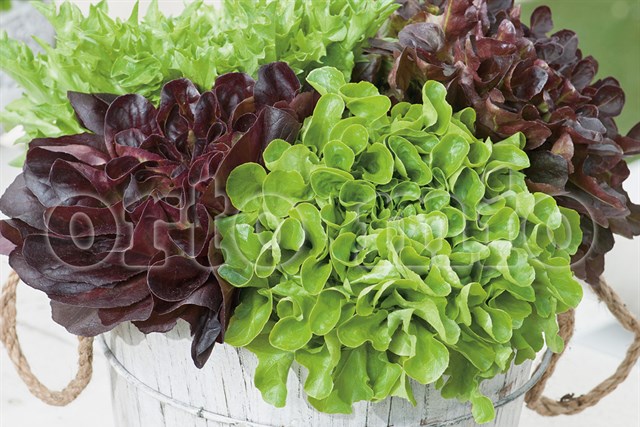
398,247
521,76
97,54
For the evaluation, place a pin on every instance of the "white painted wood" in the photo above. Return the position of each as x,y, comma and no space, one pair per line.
225,387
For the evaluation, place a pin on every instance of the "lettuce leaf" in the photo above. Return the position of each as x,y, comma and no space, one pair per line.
398,247
527,78
98,54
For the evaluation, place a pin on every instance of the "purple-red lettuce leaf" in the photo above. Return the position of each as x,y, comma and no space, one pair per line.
118,225
521,78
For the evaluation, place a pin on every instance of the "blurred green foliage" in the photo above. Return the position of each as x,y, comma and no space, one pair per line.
608,30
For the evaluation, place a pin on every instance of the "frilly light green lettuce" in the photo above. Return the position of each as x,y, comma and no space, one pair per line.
389,245
97,54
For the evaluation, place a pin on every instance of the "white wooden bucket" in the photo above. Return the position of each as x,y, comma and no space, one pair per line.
155,384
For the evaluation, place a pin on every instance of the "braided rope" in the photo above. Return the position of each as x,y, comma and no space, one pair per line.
569,404
9,337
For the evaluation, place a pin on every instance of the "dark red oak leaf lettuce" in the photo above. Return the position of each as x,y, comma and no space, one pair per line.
117,225
519,78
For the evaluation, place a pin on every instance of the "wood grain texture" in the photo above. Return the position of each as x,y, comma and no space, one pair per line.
225,386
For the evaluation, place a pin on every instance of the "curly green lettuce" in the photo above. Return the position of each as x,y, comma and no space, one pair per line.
97,54
389,245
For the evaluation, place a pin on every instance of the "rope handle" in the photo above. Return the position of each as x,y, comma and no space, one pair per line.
9,337
569,404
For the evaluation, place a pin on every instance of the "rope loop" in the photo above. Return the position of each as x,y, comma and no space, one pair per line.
569,404
9,337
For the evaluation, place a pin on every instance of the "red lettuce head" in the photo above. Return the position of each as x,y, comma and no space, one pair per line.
117,225
520,79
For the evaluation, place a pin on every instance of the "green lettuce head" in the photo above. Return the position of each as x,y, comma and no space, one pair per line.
389,245
99,54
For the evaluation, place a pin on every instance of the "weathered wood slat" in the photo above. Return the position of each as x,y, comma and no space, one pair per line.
225,387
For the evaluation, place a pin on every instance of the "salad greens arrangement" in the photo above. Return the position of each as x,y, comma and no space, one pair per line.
415,225
116,225
388,244
97,54
523,78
